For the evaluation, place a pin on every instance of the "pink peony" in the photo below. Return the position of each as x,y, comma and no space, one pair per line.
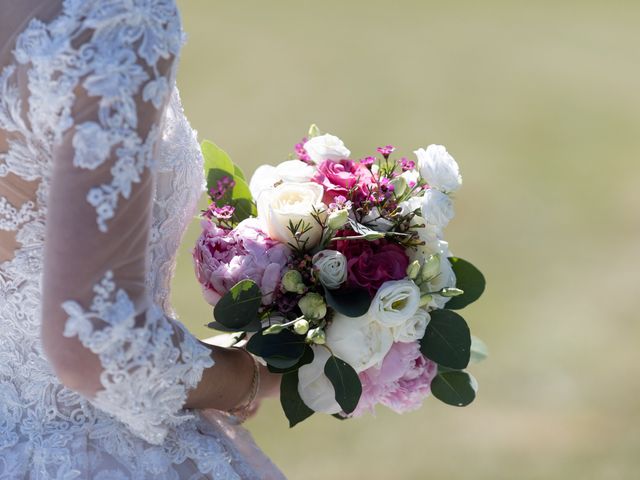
340,178
224,257
370,264
401,383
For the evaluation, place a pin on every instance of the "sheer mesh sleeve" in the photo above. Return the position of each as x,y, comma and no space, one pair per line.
101,330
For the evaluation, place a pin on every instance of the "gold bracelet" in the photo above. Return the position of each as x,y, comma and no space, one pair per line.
242,412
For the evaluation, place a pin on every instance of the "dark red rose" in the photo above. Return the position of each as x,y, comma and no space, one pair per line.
370,264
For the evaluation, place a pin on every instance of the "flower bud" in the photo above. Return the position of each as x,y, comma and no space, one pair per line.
273,329
425,299
373,236
301,327
292,282
451,292
413,269
338,219
312,306
431,268
317,336
314,131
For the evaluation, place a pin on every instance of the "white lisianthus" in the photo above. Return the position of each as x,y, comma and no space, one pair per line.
292,203
314,387
413,329
361,342
395,302
437,208
332,268
326,147
410,205
295,171
438,168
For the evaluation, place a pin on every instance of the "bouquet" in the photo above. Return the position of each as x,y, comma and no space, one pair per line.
335,273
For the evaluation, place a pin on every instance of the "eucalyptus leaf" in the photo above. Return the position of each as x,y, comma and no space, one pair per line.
292,405
350,302
454,388
252,326
280,350
447,340
345,382
468,279
307,358
238,308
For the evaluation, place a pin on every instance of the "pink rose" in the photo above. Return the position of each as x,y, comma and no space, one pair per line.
370,264
224,257
401,383
342,177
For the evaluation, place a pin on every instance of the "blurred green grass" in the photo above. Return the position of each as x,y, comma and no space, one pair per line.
539,103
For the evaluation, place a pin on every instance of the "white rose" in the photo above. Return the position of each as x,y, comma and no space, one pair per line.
361,342
413,329
332,267
438,168
295,171
395,302
326,147
437,208
295,203
263,179
446,278
315,389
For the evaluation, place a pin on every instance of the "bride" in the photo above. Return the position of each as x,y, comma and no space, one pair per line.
100,174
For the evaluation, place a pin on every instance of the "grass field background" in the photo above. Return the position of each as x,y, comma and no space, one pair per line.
539,102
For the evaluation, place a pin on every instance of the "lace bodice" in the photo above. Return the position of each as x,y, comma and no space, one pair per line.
99,176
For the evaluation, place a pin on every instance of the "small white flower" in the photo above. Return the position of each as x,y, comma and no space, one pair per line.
437,208
413,329
438,168
395,302
446,278
292,204
326,147
332,267
315,389
361,342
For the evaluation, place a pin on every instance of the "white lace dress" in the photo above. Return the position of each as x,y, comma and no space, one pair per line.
99,176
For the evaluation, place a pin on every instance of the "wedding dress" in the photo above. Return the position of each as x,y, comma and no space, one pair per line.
99,176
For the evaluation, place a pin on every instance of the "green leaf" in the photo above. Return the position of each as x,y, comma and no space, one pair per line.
479,350
345,382
252,326
238,308
454,388
339,417
447,340
350,302
216,158
292,405
281,350
238,173
468,279
307,358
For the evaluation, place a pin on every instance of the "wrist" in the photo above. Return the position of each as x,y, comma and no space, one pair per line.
244,407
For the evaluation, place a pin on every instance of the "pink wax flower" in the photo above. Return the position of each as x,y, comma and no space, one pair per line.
368,161
386,151
407,164
370,264
401,383
301,152
224,257
339,178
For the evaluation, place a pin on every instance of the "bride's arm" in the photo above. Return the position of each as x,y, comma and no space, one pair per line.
103,335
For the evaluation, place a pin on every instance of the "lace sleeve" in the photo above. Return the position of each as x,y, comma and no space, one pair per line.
102,332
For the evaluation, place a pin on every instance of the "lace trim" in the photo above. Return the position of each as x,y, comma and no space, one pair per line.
145,376
11,218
